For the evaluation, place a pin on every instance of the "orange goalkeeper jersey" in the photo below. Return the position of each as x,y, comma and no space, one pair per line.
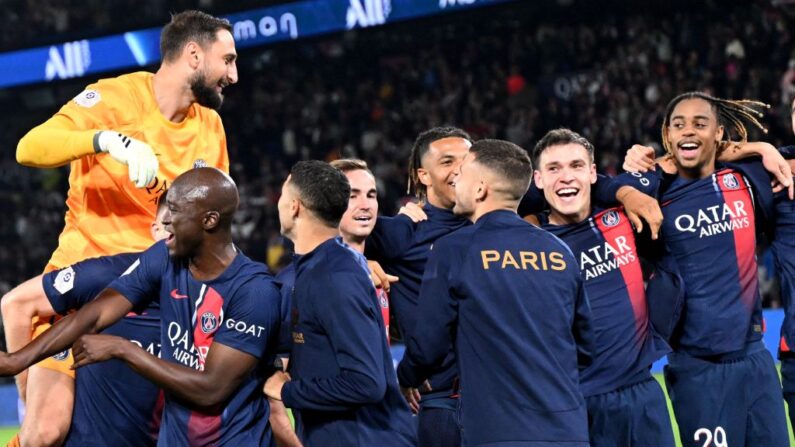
106,213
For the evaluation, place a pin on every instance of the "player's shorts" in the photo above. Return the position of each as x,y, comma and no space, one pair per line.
734,400
632,416
438,422
61,362
788,384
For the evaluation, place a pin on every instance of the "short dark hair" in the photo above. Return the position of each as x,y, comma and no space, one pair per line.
350,164
189,26
420,148
509,161
323,189
557,137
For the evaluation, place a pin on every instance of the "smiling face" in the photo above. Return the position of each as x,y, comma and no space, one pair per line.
359,220
182,224
439,166
218,69
693,133
565,173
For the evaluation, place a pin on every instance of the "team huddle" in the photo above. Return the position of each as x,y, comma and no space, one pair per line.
532,295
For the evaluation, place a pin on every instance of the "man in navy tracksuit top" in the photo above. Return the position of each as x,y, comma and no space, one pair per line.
219,321
510,297
618,382
401,246
721,379
355,225
343,388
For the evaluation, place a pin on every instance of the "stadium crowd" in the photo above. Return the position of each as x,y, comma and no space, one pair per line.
514,73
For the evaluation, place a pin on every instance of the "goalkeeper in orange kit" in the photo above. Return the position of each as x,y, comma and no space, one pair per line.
126,139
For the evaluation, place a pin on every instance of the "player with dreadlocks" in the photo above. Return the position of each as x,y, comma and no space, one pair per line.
722,381
401,246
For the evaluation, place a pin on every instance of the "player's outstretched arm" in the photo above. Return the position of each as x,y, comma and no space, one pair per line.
224,369
19,306
108,308
37,150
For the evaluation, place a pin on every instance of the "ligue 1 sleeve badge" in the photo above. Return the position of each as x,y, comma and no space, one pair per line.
88,98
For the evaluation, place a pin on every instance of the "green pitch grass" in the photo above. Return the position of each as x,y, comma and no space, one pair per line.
6,433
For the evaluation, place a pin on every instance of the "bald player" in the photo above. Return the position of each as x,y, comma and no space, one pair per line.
219,321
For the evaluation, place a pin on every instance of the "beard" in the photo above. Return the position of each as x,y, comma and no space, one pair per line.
205,95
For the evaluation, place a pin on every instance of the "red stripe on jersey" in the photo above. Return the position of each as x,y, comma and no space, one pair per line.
204,428
206,321
617,231
736,193
383,303
157,414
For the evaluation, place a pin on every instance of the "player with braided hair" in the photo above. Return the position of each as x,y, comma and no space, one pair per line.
722,381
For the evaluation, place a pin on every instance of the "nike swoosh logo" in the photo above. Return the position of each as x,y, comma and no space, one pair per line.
177,296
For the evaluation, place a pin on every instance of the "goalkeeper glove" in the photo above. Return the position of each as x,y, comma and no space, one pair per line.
139,157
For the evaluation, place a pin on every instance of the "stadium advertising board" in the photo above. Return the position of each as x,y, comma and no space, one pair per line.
251,28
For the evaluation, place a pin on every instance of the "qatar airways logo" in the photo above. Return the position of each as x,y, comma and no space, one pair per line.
604,258
183,349
714,219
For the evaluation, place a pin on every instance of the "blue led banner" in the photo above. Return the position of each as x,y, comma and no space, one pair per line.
251,28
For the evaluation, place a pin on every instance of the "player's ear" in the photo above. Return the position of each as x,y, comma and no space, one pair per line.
193,53
210,220
295,207
592,173
482,191
424,176
537,179
719,134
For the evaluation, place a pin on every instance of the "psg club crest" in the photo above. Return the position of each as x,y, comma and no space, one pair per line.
730,181
611,219
209,322
199,163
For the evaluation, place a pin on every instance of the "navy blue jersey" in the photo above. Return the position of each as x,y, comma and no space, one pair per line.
624,346
343,389
113,404
401,247
239,309
709,228
784,251
510,297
